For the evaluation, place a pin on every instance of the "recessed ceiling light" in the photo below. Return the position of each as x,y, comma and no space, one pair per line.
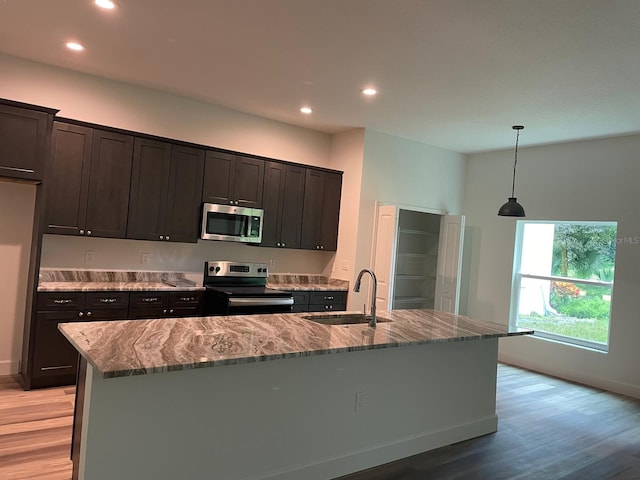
106,4
369,91
75,46
306,110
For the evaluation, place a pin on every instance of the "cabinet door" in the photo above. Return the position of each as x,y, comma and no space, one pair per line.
185,191
149,185
292,201
24,138
67,179
272,201
249,181
312,210
332,189
109,178
219,177
52,352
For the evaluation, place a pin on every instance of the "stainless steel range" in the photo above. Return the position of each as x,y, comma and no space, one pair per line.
238,288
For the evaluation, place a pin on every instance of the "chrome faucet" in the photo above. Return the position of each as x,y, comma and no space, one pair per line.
356,288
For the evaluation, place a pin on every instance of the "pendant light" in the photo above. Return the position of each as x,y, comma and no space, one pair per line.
512,208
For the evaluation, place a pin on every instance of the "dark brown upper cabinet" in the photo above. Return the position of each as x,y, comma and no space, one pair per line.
164,202
321,212
25,133
233,180
282,202
87,182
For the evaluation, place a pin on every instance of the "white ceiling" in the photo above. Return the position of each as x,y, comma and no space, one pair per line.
451,73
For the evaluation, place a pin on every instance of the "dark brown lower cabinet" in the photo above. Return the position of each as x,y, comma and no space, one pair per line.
319,301
53,361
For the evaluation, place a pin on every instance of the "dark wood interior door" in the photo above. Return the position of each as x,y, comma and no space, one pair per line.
109,179
149,186
67,179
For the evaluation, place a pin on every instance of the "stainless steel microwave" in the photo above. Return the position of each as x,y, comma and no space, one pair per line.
232,224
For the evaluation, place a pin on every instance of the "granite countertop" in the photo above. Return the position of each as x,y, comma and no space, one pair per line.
137,347
51,280
54,280
295,282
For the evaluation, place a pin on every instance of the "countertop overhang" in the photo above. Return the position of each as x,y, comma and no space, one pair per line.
138,347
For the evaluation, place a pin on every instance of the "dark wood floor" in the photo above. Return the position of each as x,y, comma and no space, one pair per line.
548,429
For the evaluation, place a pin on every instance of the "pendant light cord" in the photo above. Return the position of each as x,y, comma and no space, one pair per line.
515,163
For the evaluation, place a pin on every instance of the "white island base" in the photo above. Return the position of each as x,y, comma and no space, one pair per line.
315,417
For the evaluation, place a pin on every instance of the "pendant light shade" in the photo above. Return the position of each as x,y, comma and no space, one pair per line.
512,208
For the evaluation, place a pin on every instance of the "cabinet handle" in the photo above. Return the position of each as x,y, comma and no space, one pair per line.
62,301
108,300
61,367
150,299
80,314
81,232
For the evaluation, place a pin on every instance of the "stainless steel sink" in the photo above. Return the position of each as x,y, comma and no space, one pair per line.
342,318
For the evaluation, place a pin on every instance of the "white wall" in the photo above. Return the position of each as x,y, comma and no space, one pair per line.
408,173
589,180
16,223
347,156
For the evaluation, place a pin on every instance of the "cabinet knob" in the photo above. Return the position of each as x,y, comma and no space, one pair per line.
284,245
164,311
80,314
81,232
171,310
88,232
167,237
278,244
161,237
88,314
321,247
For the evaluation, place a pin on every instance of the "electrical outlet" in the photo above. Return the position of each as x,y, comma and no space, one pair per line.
145,258
361,400
88,257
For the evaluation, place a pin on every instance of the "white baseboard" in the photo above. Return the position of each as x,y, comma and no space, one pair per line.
354,461
573,376
9,367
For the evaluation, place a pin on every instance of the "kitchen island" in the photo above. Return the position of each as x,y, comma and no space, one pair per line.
294,398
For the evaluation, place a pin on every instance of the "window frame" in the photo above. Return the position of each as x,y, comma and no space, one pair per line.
517,277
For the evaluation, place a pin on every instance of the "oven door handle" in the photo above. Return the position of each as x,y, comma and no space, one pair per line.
259,301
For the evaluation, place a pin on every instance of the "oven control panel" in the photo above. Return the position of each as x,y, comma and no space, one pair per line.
235,269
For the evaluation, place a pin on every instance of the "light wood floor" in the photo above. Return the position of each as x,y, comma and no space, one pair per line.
548,429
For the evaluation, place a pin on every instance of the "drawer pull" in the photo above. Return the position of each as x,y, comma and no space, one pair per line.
62,301
328,298
108,300
61,367
187,299
150,299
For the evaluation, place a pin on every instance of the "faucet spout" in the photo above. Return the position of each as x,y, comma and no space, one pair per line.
374,292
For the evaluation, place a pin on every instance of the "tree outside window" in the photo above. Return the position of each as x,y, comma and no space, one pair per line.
563,280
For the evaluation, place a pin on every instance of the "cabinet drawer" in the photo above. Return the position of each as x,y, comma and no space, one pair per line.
100,300
327,297
53,353
152,313
148,299
60,301
185,299
327,307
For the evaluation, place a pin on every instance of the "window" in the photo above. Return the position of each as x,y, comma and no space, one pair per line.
563,280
